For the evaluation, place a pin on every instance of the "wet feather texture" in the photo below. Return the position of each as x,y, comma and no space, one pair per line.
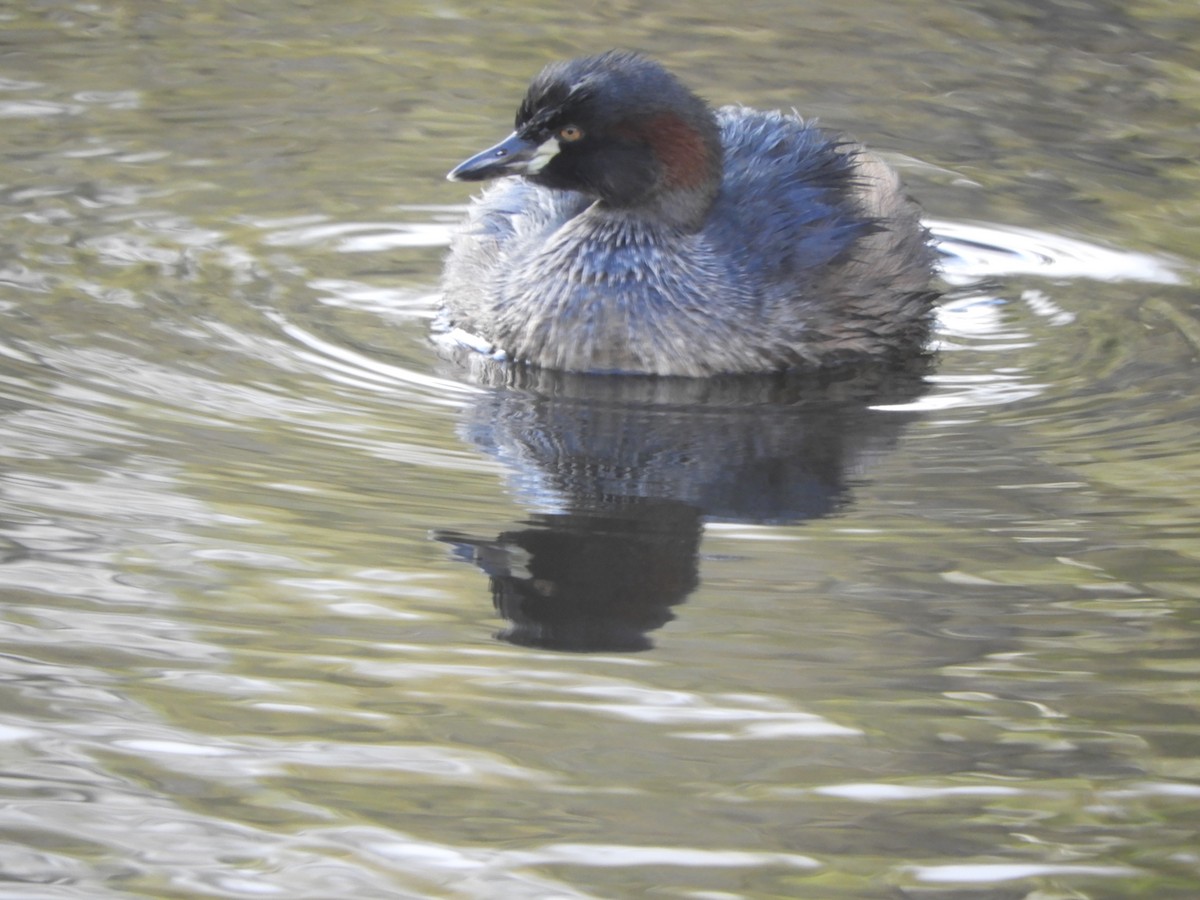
666,238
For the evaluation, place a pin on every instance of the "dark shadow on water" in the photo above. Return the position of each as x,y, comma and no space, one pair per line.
621,473
598,581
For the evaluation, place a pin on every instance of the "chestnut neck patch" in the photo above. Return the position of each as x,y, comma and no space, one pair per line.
679,147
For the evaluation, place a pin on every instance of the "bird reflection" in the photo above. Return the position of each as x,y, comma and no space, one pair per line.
620,475
591,581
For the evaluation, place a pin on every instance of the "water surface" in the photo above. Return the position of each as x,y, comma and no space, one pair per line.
294,608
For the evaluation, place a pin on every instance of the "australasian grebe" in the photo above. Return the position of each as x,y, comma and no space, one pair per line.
664,238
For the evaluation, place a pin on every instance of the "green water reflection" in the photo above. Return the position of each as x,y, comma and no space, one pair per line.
238,663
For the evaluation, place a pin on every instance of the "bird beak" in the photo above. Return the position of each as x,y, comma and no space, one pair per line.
512,156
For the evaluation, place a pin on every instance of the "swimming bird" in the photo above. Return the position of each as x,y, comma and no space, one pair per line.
631,228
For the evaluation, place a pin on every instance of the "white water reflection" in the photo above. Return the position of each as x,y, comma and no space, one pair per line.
360,237
986,873
625,855
978,250
876,793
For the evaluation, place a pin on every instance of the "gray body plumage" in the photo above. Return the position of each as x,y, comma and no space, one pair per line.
809,255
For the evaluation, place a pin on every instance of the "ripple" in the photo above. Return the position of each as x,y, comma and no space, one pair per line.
690,715
37,109
875,793
262,758
744,718
608,855
972,251
14,733
341,363
13,84
110,99
984,873
361,237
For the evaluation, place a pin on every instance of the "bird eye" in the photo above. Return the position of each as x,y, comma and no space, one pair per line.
570,133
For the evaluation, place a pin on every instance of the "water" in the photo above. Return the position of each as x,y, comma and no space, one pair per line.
279,583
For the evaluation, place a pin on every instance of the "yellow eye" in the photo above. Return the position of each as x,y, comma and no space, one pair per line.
570,133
